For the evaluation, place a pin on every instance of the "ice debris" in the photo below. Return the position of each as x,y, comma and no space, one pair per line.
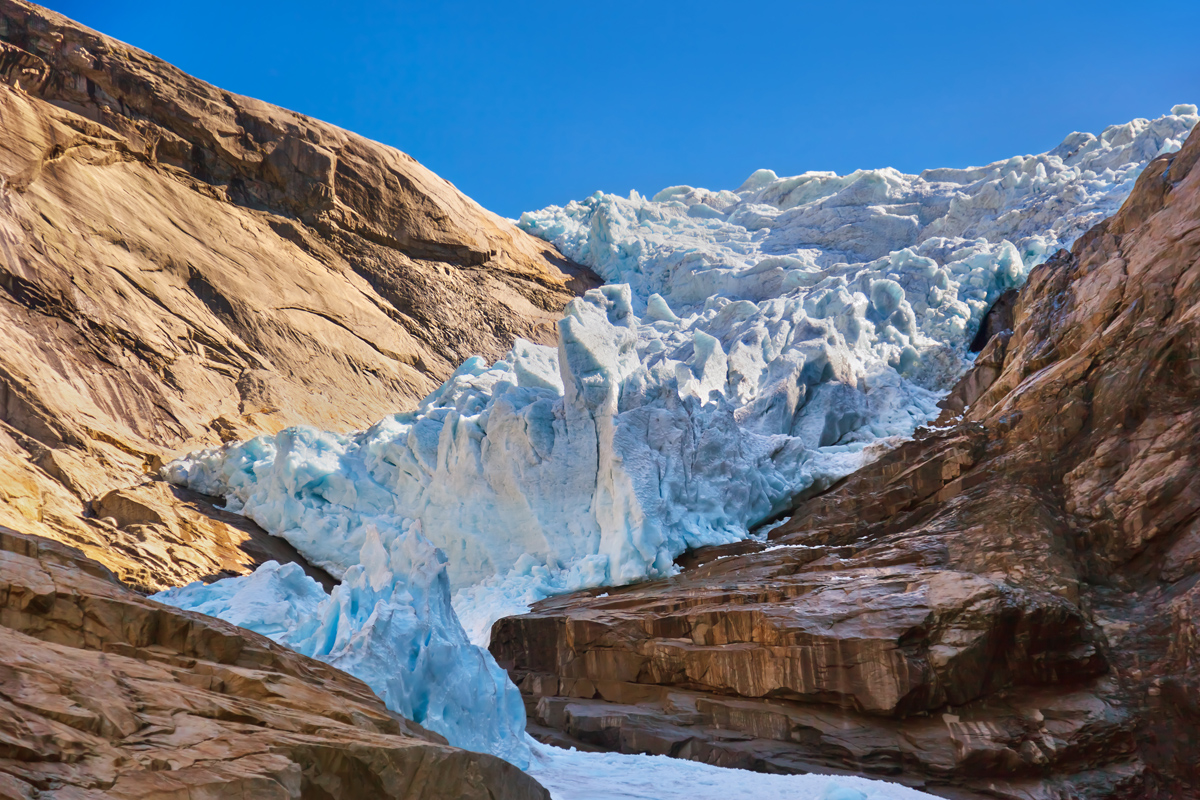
750,344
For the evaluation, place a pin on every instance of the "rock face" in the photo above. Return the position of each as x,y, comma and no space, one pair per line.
180,266
106,694
1007,606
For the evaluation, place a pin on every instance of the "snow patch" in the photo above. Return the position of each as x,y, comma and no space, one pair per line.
574,775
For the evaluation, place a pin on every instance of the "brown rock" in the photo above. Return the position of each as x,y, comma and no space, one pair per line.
106,694
180,266
170,535
1005,607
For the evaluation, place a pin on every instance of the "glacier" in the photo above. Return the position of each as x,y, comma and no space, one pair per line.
748,345
389,623
689,244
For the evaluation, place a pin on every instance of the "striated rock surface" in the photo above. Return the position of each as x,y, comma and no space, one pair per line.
104,694
180,266
1007,606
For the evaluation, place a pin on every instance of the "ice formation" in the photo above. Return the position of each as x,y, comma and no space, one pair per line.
749,345
390,624
773,234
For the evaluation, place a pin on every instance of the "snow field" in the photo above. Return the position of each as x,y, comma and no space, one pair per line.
575,775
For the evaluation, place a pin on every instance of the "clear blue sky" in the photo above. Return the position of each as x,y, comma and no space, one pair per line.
526,104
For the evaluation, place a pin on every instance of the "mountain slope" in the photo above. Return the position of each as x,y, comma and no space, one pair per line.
180,266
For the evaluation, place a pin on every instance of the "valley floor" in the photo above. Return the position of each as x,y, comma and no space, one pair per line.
576,775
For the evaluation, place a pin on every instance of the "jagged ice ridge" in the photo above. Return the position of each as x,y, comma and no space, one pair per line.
389,623
749,345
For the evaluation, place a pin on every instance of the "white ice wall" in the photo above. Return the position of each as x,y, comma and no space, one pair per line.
390,624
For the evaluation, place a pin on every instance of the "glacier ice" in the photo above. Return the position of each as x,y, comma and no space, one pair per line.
388,623
689,244
749,345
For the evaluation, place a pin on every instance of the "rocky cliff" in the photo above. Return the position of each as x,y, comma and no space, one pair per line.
106,694
1006,606
180,266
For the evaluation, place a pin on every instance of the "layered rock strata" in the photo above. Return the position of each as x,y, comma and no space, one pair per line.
104,694
1005,606
181,266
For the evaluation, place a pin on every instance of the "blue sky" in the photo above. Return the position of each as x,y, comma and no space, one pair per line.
526,104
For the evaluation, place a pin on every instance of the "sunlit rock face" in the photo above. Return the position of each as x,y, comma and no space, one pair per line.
181,266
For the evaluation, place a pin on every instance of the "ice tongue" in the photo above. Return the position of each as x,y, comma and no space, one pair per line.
389,623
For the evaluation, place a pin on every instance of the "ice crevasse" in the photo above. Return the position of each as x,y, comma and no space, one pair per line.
748,345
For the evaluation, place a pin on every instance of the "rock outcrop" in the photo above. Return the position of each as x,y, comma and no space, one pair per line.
180,266
104,694
1007,606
